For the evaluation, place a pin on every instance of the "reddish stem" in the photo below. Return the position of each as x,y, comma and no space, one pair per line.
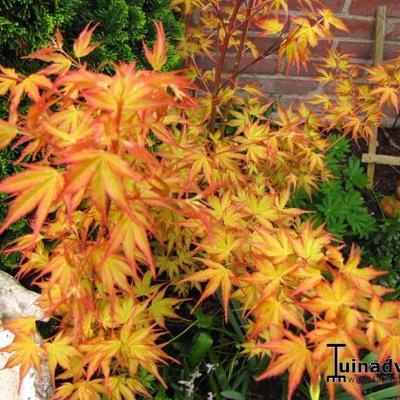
266,53
220,62
239,55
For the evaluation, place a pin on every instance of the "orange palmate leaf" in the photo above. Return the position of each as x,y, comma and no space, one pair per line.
163,307
135,244
7,133
332,298
8,79
60,351
270,26
361,277
294,356
113,271
389,347
82,46
383,319
26,326
26,353
217,276
81,390
158,56
123,388
100,172
38,186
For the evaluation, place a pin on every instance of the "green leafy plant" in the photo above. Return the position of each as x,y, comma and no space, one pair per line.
212,362
382,249
339,202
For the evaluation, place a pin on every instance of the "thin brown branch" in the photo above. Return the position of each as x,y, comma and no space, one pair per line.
239,56
266,53
220,62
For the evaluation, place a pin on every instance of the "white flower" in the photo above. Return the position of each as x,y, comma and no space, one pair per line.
210,396
186,383
196,374
190,390
210,368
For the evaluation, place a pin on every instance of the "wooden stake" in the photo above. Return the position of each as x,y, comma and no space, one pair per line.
381,159
378,58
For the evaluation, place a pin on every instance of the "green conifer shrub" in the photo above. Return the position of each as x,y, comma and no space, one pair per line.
27,25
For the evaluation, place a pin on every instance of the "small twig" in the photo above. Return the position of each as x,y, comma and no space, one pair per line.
239,57
390,140
265,54
220,63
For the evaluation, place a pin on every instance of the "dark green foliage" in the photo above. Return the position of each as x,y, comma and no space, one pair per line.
206,345
382,250
27,25
7,168
339,202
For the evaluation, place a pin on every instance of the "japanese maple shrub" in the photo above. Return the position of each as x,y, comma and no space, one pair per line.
137,188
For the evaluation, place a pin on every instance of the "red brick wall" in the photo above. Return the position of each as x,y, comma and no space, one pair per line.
359,16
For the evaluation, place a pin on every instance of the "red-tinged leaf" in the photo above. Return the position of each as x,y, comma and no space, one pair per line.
59,65
332,298
383,319
295,357
135,244
217,276
26,326
30,86
59,39
82,390
162,307
388,94
36,187
361,277
59,351
113,272
82,46
389,347
162,133
26,354
330,19
158,56
270,26
98,354
7,133
272,313
8,79
103,174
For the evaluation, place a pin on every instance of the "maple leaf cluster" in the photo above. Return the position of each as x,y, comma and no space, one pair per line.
136,189
359,97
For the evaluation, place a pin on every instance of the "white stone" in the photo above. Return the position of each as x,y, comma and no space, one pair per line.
17,302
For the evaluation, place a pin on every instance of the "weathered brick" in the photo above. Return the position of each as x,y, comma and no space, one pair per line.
365,50
368,7
265,66
393,29
358,28
282,84
365,28
335,5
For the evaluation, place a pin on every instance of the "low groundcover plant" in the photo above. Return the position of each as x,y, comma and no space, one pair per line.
140,193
